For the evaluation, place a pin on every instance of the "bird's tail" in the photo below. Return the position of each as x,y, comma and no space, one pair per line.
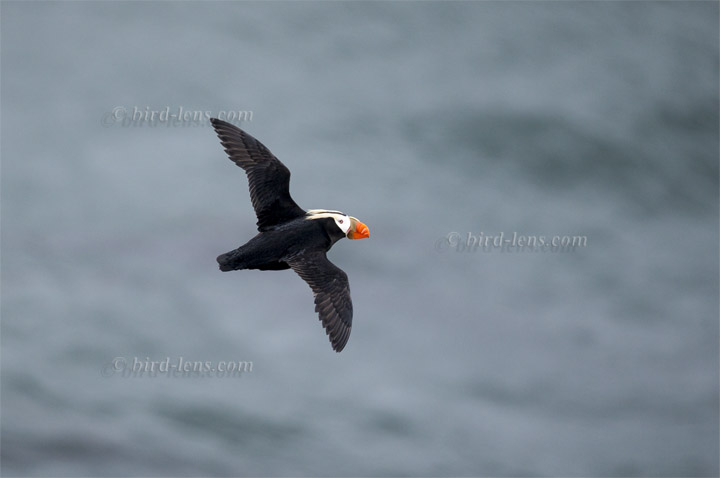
231,261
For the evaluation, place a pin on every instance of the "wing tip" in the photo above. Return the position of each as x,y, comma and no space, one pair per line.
340,339
215,122
219,125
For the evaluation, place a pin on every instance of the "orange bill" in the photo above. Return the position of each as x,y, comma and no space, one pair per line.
358,230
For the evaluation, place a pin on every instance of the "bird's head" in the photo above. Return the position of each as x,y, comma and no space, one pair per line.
350,226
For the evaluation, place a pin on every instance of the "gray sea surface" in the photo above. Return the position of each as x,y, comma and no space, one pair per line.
422,119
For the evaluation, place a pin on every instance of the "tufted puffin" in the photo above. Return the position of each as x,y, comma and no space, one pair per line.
290,237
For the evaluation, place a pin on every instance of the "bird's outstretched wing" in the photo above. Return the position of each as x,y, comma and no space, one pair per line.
269,179
332,294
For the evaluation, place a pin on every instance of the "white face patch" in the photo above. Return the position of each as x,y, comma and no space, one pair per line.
341,220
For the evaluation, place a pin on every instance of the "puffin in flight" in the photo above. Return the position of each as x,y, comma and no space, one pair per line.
289,236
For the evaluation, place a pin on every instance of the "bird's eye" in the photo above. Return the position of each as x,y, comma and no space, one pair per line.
341,221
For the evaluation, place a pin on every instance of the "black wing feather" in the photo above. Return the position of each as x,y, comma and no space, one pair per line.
332,294
268,178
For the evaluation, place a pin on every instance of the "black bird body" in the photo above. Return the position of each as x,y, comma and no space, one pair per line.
270,249
290,237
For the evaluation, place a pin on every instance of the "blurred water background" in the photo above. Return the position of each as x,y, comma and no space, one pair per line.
560,118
